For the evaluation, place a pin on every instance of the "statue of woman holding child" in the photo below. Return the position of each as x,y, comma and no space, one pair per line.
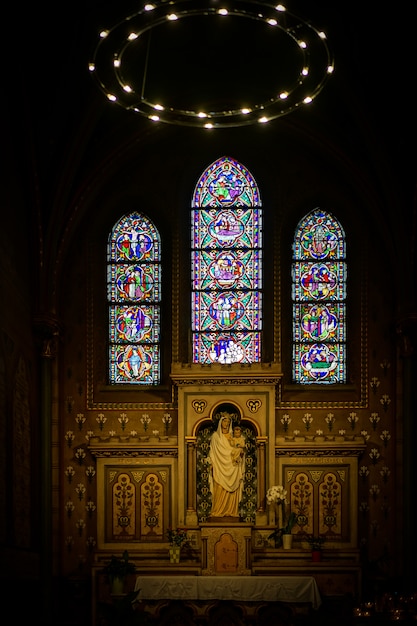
227,460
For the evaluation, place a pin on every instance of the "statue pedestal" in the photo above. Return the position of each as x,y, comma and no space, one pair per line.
226,548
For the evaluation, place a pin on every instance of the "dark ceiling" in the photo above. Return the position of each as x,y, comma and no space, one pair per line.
49,93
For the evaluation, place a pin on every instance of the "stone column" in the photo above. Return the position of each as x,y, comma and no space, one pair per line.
191,513
46,332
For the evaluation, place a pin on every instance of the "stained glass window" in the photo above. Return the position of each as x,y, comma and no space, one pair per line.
134,293
319,300
226,261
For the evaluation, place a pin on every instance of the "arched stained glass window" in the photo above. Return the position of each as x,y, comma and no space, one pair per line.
134,293
319,300
226,249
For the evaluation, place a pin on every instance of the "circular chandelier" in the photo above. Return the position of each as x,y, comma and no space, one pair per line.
210,65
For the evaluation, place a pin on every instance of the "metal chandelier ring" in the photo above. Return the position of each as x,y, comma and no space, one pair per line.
121,63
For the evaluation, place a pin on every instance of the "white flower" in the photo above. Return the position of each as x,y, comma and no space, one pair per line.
276,494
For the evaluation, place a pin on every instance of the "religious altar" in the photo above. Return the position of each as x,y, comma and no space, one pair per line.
288,589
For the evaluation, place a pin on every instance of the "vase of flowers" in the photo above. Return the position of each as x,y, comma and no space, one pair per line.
178,539
277,496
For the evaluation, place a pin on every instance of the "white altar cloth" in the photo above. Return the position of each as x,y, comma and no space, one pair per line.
238,588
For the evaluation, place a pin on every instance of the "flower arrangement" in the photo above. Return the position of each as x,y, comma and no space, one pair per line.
178,537
277,495
119,567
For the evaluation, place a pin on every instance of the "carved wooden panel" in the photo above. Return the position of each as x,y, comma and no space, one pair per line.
323,492
136,503
135,500
226,549
320,498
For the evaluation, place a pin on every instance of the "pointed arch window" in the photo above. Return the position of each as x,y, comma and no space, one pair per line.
226,260
319,274
134,293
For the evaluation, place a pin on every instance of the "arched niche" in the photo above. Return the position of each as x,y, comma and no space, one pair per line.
244,446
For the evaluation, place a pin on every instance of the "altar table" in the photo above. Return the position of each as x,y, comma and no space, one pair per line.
300,589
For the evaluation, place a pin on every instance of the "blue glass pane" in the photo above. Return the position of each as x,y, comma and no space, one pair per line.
134,238
226,348
234,269
137,364
319,322
226,310
319,236
134,324
136,283
319,363
319,281
237,228
226,183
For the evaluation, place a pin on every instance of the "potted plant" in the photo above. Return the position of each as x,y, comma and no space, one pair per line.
315,542
117,569
278,534
178,539
277,496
